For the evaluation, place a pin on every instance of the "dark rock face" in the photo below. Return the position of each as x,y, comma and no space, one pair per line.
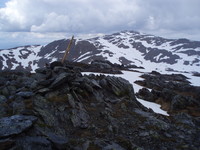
144,93
59,108
171,58
196,74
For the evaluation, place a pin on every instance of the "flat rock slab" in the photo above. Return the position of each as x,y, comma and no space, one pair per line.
34,143
25,94
59,80
15,124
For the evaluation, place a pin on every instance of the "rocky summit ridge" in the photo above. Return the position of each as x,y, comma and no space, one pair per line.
59,108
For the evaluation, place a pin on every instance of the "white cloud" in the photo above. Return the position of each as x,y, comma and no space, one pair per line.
71,15
15,39
98,16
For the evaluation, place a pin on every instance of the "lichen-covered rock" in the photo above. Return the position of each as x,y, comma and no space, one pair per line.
15,124
62,78
43,108
33,143
181,102
25,94
120,87
80,118
3,98
58,141
144,93
3,106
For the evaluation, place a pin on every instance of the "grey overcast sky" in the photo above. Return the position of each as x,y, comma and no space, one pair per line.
38,21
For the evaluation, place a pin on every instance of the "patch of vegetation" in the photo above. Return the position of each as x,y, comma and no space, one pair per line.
92,146
28,104
43,125
58,98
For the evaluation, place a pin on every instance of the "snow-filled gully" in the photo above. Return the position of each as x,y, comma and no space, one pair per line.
132,77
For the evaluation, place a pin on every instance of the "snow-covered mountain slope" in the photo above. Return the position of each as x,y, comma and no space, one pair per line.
20,57
127,47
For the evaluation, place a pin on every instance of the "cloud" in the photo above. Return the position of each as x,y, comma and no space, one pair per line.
174,14
91,16
87,16
15,39
71,15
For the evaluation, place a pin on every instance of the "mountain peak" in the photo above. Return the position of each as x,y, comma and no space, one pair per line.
125,47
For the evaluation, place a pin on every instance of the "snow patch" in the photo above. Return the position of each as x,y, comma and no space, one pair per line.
156,107
132,77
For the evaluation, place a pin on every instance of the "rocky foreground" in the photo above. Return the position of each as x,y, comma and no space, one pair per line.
173,92
59,108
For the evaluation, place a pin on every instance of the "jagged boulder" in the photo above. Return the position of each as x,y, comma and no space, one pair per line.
3,106
181,102
33,143
144,93
120,87
15,125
